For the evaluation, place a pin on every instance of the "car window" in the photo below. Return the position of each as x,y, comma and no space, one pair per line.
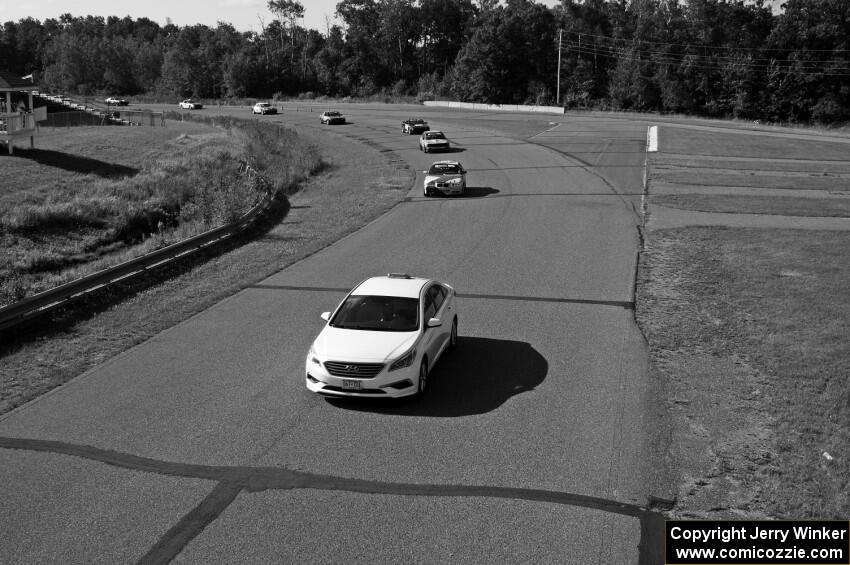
436,296
430,308
444,292
445,169
378,313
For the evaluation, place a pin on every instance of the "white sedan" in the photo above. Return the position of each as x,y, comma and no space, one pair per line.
433,141
384,338
444,177
190,104
331,117
263,108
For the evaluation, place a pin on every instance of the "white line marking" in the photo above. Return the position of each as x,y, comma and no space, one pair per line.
652,139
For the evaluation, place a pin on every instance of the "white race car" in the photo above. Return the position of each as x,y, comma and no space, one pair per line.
433,141
384,338
263,108
445,177
332,117
190,104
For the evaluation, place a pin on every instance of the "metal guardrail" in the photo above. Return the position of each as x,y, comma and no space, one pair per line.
48,300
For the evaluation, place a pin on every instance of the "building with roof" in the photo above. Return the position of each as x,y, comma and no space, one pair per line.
16,121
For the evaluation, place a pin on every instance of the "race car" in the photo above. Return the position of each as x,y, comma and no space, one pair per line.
433,141
414,126
332,117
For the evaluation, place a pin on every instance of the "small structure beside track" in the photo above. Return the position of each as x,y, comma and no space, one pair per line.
17,119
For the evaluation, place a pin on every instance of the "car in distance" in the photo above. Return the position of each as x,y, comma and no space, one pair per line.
445,177
113,100
414,126
263,108
332,117
190,104
384,338
433,141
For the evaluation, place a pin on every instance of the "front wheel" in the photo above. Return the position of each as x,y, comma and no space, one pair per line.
423,378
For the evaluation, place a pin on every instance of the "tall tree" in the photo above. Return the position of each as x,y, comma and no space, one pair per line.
289,11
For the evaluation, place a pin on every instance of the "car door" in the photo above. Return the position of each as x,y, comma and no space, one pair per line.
431,337
445,312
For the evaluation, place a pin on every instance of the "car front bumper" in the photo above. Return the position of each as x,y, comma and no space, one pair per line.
448,189
386,384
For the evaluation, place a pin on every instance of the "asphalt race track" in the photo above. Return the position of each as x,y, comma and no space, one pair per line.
533,445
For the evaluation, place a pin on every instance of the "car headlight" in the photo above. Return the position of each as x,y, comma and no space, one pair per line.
456,181
311,355
405,360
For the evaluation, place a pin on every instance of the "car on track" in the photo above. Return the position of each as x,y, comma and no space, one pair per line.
190,104
413,126
332,117
115,101
263,108
444,177
384,338
433,141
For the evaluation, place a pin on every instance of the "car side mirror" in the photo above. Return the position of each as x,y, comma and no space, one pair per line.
435,323
326,316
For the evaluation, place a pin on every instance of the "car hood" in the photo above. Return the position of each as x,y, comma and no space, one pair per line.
441,178
361,345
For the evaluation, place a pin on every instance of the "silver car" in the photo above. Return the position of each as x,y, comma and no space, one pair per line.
445,177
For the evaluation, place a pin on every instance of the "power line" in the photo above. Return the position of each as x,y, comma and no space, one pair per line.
699,46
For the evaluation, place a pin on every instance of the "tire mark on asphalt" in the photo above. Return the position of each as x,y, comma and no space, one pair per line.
590,168
232,480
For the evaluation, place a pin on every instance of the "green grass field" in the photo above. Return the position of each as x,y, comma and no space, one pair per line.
90,197
748,327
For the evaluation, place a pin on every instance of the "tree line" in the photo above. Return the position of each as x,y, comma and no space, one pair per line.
731,58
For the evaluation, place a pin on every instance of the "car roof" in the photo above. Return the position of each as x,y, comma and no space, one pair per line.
392,285
447,162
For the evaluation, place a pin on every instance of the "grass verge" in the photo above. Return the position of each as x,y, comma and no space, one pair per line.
737,204
749,329
56,227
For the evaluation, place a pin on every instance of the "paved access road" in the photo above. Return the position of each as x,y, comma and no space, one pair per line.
534,444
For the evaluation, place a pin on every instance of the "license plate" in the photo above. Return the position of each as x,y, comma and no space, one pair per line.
350,384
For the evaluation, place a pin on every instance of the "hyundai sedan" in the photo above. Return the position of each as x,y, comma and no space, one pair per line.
384,338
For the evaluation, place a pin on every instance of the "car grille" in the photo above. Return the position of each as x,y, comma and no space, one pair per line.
353,370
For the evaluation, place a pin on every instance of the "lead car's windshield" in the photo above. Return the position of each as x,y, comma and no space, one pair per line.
378,313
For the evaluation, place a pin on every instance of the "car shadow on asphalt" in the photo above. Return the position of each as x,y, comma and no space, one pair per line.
479,191
477,377
76,163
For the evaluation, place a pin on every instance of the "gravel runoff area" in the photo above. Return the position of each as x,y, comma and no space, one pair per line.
740,296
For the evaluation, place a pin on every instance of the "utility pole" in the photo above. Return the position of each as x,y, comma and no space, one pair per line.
558,94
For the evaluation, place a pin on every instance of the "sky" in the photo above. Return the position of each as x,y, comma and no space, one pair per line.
245,15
